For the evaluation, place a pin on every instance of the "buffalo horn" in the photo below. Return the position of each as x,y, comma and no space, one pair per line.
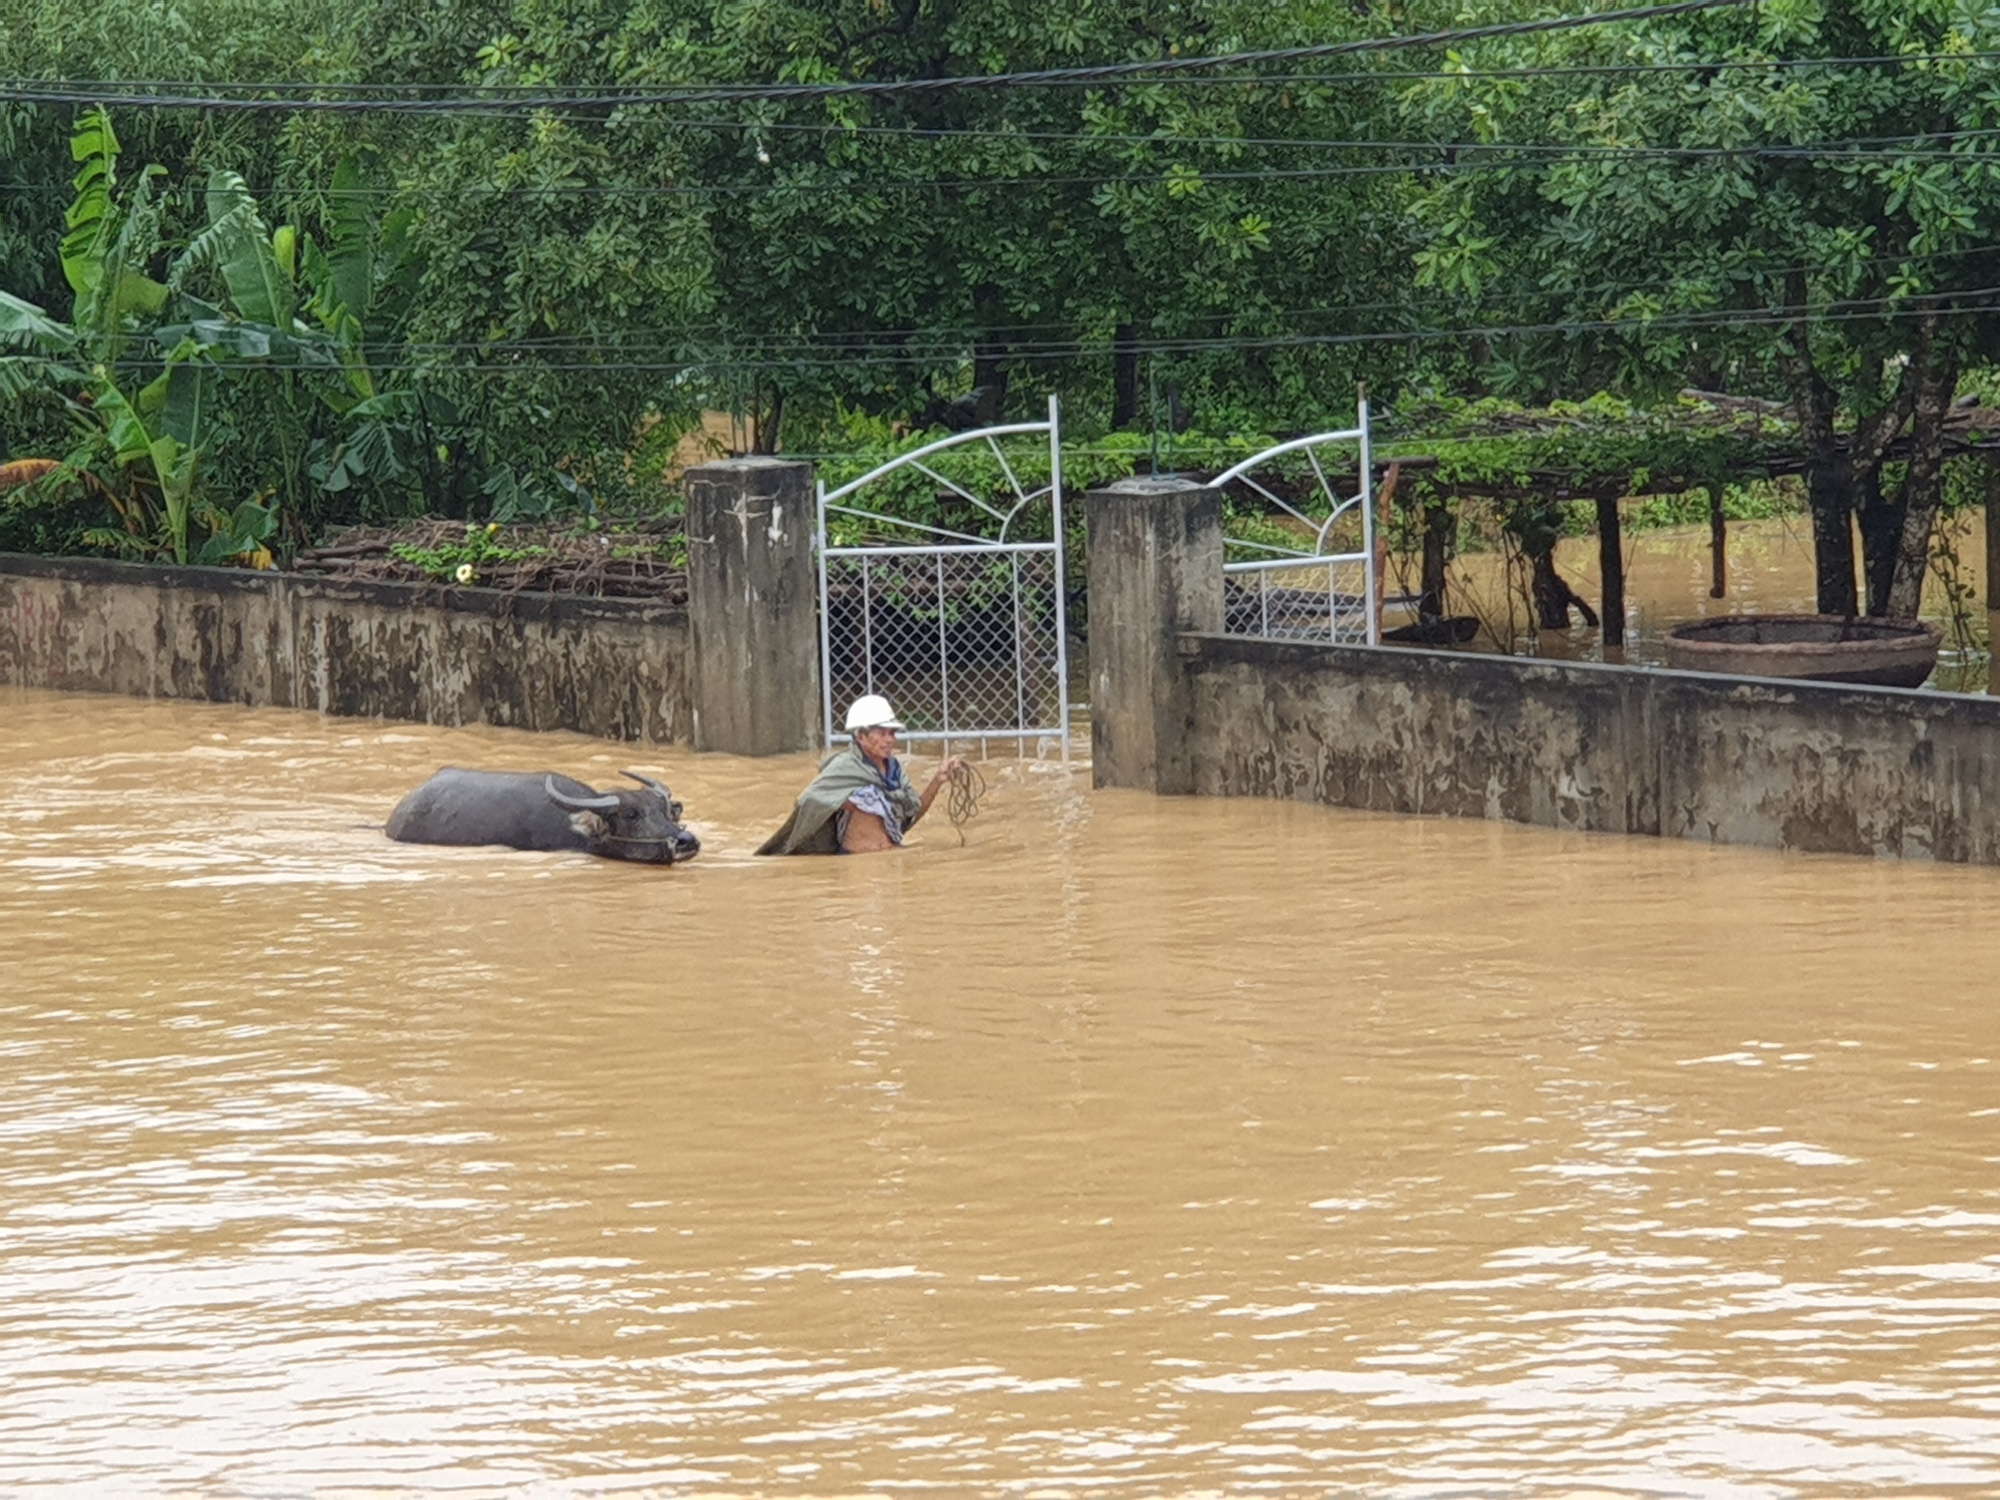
577,804
647,781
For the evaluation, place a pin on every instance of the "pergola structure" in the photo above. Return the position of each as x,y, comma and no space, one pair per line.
1565,454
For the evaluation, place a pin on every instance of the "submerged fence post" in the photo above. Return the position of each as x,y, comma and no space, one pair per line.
1155,565
753,630
1611,573
1993,535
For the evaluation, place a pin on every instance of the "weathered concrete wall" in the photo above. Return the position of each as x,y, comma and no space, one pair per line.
753,606
616,668
1155,548
1807,766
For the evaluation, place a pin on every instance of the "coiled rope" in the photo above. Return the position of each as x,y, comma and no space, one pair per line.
961,803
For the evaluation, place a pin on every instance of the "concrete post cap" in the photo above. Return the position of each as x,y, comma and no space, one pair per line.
871,711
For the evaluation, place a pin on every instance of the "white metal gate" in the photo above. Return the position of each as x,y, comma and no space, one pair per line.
946,594
1326,585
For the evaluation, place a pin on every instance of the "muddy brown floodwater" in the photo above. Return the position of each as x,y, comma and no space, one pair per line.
1769,570
1140,1146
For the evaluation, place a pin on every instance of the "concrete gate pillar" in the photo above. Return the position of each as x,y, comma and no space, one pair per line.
753,607
1155,571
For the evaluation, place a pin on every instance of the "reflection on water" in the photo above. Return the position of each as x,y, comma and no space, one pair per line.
1137,1146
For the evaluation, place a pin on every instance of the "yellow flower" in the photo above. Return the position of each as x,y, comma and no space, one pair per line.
492,528
465,572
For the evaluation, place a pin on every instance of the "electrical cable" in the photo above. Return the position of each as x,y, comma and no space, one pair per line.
933,343
544,92
1852,310
1165,138
1189,180
936,342
945,343
1143,70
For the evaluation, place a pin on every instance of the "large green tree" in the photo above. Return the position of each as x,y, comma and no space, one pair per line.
1730,197
894,248
578,268
1796,198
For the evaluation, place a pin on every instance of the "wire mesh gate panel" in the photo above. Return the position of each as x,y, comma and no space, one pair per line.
941,587
1313,575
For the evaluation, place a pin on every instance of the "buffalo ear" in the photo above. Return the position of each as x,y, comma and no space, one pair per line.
588,825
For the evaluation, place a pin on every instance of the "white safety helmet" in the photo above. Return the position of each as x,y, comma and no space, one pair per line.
871,711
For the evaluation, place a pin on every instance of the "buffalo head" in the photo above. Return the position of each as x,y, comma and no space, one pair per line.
644,825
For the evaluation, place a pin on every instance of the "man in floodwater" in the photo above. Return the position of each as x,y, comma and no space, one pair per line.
861,801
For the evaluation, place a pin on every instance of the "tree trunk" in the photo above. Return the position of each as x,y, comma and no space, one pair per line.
1923,485
1880,522
1611,567
1438,526
1831,467
1993,536
1833,544
1718,545
1124,377
989,383
767,420
1552,594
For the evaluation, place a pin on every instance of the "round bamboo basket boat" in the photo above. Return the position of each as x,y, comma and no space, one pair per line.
1821,648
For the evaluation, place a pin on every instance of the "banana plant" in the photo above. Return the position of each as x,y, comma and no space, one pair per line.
107,245
243,305
357,287
138,434
242,535
158,434
258,267
359,278
155,435
34,348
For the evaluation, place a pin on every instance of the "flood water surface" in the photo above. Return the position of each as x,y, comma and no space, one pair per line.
1769,570
1137,1146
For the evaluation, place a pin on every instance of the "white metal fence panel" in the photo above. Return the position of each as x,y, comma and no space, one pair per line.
1326,586
961,626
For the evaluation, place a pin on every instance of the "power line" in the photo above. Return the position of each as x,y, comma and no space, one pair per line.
934,342
943,342
946,342
1100,73
545,94
1529,157
1006,136
1850,310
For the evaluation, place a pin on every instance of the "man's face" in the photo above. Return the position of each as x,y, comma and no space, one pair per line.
876,744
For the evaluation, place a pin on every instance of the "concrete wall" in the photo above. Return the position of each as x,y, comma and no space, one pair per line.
1808,766
1155,548
610,667
753,606
1177,706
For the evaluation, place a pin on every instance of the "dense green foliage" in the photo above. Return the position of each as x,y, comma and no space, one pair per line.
1828,231
513,309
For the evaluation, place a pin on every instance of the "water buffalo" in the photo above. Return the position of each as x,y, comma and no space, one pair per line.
535,810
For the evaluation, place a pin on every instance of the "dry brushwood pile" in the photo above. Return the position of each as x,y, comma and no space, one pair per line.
642,560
